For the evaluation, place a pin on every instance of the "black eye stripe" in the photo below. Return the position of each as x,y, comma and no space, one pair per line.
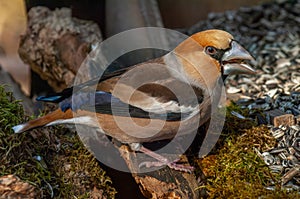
218,55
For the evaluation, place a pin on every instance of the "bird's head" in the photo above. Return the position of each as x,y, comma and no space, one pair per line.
229,56
208,55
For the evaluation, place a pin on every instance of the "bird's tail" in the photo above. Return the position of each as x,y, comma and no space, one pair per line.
43,121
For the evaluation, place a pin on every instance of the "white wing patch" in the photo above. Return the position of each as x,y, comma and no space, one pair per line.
170,106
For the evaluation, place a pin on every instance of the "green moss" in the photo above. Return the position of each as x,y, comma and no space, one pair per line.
235,171
15,152
233,124
58,148
80,172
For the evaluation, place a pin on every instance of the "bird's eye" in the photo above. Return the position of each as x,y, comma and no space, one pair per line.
210,50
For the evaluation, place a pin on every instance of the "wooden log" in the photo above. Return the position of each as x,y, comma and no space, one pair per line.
55,44
278,117
162,183
12,187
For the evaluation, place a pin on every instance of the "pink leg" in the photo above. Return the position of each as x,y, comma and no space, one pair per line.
163,161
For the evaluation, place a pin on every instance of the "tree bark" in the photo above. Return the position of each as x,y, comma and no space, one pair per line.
162,183
55,44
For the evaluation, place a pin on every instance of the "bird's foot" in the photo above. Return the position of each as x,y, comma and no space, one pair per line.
161,161
171,164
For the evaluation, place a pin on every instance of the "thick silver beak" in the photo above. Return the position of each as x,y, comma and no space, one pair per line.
232,60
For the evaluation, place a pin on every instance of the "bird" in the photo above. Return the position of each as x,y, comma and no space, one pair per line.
153,99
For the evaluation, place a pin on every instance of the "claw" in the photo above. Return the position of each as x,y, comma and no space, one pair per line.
172,165
162,161
181,167
149,164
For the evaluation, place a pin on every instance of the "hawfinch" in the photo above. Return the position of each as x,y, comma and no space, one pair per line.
152,100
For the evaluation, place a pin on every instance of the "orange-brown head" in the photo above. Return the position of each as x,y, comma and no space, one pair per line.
222,47
219,39
213,53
